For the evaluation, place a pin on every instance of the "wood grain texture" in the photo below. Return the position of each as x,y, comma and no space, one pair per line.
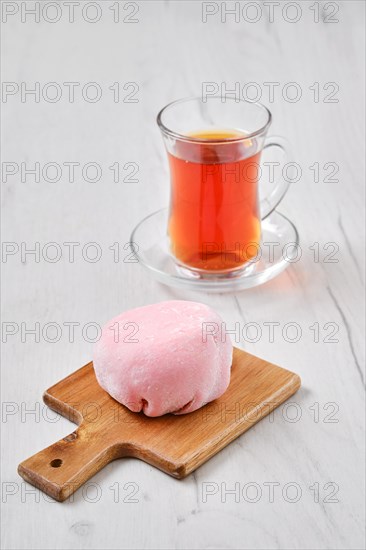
175,444
169,53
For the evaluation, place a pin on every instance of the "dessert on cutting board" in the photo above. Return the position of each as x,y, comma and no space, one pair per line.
170,357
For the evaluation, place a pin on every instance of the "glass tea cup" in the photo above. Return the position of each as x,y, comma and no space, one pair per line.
214,149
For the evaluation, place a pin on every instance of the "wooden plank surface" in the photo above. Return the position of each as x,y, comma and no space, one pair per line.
169,54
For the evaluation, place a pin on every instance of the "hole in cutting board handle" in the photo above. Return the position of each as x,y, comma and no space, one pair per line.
56,462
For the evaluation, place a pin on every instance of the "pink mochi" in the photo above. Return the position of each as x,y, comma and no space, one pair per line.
164,358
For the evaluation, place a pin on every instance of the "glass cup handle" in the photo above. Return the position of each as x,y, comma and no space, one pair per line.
273,199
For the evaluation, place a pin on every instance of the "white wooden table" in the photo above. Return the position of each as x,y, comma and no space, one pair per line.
298,477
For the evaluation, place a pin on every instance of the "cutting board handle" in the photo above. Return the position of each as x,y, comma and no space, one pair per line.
60,469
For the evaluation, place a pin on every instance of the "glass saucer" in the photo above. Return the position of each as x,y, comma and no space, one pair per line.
279,248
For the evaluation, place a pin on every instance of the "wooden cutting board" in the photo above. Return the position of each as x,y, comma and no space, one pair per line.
175,444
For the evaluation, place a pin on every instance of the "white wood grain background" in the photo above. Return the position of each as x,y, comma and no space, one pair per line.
169,53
